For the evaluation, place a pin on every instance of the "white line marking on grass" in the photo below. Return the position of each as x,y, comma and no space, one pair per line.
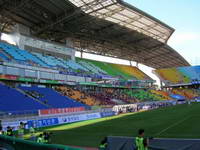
176,123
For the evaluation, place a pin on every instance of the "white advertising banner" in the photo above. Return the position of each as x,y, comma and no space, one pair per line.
80,117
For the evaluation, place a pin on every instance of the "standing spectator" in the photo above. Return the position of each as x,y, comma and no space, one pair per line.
47,137
140,141
1,128
21,130
9,131
103,144
40,139
32,132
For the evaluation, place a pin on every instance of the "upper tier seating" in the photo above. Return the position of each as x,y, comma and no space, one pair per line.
92,67
3,57
11,50
13,100
53,61
81,67
116,70
179,75
32,58
21,56
75,65
53,98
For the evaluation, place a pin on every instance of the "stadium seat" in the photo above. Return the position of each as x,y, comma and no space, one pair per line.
10,99
52,98
77,95
115,70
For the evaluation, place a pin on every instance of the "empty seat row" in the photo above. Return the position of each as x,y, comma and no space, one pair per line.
12,100
53,98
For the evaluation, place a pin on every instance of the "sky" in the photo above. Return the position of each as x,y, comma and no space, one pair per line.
182,15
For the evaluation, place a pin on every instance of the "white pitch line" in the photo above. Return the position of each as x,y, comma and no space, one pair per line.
176,123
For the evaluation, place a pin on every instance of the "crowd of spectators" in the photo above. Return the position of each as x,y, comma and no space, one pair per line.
107,96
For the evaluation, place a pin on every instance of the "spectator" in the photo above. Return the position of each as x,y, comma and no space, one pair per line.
9,131
47,137
32,133
1,128
40,139
140,141
103,144
21,130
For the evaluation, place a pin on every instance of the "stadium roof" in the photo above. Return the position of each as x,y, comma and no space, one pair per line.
104,27
126,15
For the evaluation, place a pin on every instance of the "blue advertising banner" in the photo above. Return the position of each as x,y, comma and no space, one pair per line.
107,114
42,122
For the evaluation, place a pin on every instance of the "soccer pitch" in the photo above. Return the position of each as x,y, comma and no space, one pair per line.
181,121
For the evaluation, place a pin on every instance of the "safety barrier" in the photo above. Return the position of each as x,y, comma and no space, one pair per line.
12,143
128,143
43,121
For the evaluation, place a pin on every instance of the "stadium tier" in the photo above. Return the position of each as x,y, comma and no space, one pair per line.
13,54
188,93
10,53
112,96
143,95
33,98
179,75
77,95
51,98
13,100
163,94
115,70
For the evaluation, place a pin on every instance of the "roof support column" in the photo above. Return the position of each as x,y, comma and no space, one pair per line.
137,64
130,62
81,53
161,84
70,44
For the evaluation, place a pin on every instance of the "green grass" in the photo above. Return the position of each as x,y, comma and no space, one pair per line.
180,121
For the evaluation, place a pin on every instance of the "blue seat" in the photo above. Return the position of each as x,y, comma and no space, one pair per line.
54,99
4,57
12,100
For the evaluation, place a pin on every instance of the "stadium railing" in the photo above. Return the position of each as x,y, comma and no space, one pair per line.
12,143
16,114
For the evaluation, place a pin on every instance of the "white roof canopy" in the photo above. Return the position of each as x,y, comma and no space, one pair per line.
125,15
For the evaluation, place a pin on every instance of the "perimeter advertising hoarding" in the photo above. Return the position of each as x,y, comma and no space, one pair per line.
80,117
107,114
60,110
42,122
52,121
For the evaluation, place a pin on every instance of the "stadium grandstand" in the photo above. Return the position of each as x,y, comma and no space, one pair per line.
45,87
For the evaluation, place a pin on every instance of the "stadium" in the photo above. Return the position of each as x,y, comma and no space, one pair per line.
50,99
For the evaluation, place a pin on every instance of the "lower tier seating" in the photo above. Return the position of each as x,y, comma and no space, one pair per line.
13,100
52,98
